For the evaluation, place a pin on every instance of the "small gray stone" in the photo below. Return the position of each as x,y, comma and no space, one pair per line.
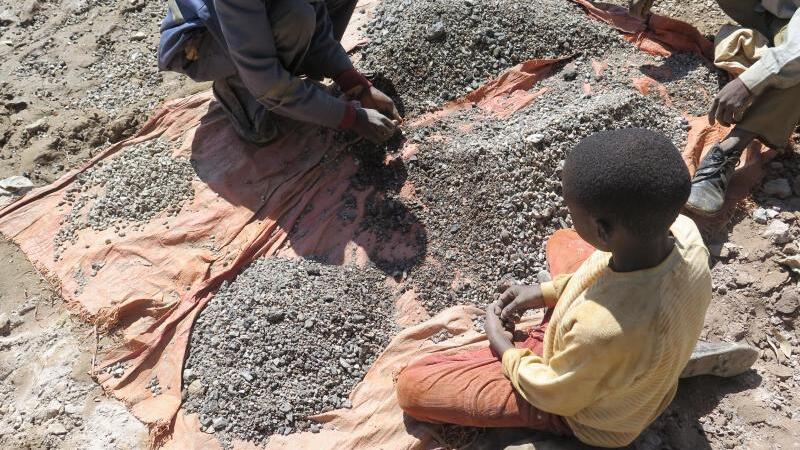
53,409
220,423
779,188
16,184
435,32
743,279
275,316
196,388
57,429
570,72
543,276
760,215
778,232
7,17
72,409
36,126
788,302
534,138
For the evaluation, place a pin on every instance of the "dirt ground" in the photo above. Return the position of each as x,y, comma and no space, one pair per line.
78,74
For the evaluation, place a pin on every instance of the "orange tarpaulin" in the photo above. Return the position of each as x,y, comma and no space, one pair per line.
280,200
659,36
246,200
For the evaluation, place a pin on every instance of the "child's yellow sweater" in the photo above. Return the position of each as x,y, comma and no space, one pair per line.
617,342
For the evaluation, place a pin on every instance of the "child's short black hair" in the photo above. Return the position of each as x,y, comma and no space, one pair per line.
633,176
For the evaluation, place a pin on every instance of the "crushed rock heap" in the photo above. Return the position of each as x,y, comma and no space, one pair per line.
493,195
126,191
489,187
434,50
285,340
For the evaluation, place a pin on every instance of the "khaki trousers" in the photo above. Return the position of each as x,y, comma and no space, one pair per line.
774,114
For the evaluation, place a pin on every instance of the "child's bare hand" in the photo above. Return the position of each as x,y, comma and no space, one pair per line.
519,298
494,324
500,338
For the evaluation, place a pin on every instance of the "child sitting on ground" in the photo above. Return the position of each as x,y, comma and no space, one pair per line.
619,330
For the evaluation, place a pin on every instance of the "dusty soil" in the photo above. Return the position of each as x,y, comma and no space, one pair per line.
79,74
76,75
47,398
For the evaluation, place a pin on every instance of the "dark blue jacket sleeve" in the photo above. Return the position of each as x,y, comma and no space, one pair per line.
249,38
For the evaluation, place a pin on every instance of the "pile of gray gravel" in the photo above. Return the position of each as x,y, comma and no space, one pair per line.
434,51
493,195
285,340
126,191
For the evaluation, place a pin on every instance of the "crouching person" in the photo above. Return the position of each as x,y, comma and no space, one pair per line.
761,102
618,331
263,56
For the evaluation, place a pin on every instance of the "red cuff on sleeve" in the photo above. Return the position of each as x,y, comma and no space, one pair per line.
351,78
349,117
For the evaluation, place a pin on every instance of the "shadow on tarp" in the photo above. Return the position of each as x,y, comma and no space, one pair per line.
341,206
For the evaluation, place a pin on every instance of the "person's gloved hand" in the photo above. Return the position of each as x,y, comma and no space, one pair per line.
375,99
519,298
373,126
640,8
730,104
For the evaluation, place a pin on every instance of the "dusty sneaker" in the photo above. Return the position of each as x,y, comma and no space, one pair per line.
259,130
722,359
710,182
